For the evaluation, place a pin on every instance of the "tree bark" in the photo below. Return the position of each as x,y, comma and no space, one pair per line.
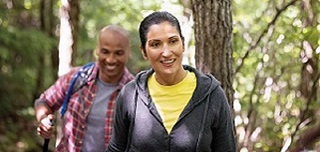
307,139
213,36
213,39
69,21
74,14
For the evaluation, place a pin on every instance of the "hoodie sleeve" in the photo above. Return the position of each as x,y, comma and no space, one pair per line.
223,131
121,121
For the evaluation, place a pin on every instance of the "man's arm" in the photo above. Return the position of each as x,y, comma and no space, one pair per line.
42,110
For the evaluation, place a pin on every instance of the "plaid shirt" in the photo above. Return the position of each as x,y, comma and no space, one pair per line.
80,103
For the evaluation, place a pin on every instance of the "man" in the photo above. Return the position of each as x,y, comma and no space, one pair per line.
87,121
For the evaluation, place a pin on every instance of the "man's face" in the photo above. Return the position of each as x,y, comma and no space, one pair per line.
113,53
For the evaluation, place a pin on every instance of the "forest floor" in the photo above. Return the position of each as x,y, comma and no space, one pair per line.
18,134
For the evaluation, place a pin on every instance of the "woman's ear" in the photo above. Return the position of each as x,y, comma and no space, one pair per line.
144,55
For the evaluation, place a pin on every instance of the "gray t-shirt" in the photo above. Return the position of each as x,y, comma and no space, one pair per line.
94,135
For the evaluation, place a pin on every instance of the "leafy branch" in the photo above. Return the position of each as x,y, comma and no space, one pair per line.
264,32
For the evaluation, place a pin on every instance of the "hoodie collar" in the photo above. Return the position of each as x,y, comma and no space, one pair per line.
206,83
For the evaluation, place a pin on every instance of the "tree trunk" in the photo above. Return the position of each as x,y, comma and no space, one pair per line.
51,32
213,39
74,14
69,21
47,26
213,36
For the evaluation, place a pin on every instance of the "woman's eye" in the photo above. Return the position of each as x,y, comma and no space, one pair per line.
173,41
155,44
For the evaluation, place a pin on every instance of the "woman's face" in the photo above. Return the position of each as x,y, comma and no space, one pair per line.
164,48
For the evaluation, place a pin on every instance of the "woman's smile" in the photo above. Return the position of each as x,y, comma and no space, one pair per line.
168,61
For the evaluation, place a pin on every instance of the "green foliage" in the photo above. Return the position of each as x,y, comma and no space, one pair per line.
268,83
15,132
23,46
19,54
127,14
20,50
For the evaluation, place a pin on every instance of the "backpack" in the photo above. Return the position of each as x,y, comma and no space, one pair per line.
79,79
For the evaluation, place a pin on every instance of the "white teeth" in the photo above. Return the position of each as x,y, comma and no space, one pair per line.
111,67
168,61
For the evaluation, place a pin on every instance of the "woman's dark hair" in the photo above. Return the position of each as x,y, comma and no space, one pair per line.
157,18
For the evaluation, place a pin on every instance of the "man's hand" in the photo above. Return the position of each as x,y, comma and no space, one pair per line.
45,128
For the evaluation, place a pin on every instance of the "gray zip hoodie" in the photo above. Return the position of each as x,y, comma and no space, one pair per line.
205,125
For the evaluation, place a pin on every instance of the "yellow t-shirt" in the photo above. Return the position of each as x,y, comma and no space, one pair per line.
171,100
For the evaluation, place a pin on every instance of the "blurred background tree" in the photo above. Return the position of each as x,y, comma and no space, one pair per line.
276,53
275,61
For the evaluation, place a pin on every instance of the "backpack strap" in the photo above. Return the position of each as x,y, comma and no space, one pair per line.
78,80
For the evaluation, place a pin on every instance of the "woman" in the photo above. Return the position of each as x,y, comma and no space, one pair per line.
171,107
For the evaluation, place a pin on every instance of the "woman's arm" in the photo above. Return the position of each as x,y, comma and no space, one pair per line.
223,132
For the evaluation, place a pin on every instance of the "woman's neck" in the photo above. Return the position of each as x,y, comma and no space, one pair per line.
171,79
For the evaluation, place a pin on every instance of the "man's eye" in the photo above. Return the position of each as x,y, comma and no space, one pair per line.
104,51
120,53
